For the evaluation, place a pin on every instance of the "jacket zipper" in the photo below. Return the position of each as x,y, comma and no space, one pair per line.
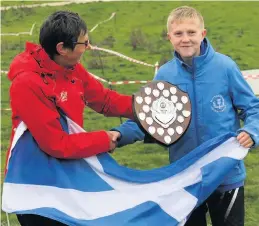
195,103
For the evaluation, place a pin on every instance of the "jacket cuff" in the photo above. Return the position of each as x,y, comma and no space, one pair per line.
102,144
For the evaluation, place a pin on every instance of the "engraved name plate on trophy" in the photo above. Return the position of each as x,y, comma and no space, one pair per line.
163,111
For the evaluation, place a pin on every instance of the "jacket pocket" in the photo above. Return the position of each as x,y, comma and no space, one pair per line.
237,174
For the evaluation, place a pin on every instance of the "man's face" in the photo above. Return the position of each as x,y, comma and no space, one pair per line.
73,56
186,37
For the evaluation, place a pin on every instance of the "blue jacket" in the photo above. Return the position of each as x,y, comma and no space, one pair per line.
220,97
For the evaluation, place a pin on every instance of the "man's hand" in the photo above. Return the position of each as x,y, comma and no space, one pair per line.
245,140
114,136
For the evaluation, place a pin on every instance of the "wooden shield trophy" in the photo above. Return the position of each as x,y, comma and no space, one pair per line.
163,111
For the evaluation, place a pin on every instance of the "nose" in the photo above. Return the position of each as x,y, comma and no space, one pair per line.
185,38
88,46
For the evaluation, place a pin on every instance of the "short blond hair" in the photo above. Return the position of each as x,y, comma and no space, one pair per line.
183,12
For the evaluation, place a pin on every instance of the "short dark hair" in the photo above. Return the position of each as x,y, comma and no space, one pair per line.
61,26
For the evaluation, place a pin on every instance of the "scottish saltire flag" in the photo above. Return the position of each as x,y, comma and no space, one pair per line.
97,191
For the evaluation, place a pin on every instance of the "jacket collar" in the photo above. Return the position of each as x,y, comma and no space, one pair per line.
46,64
207,52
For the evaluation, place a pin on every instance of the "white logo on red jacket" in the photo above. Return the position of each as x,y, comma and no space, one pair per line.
63,96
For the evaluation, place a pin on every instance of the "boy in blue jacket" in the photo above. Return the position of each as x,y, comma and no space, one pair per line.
220,97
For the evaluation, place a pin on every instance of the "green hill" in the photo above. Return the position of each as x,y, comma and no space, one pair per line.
139,31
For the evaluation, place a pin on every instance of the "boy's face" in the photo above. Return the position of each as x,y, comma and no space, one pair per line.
186,37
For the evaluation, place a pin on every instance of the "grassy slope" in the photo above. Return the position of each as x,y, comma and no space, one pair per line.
21,3
231,29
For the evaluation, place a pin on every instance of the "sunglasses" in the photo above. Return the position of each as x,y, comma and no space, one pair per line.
86,43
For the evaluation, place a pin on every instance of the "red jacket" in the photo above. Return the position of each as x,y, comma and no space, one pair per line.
39,86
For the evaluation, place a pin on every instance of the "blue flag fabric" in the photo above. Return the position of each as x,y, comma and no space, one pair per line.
97,191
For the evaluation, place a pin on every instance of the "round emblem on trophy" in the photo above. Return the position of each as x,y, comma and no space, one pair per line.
163,111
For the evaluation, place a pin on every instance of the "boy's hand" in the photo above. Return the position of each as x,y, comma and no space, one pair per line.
245,140
113,135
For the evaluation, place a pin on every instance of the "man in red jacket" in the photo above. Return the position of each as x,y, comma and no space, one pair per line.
48,77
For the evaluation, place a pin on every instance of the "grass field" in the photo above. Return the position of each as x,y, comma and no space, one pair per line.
232,29
21,3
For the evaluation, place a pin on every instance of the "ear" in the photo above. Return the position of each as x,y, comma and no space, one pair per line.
168,36
60,49
204,33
